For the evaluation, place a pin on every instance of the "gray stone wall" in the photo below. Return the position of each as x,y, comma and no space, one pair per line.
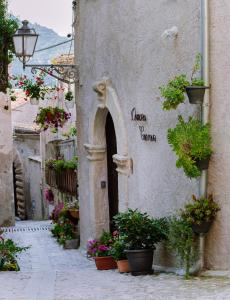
6,164
123,41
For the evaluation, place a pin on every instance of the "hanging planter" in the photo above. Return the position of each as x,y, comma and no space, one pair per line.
52,117
196,94
34,101
202,228
203,164
69,100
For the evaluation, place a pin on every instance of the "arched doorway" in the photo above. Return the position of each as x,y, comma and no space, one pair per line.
111,145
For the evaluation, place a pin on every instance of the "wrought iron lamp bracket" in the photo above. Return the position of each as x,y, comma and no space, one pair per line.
66,73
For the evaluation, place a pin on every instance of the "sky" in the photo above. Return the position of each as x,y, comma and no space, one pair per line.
54,14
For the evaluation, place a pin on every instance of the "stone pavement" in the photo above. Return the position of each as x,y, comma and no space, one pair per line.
50,273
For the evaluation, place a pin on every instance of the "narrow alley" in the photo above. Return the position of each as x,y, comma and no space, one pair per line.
50,273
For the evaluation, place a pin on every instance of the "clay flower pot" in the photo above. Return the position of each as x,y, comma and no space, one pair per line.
74,213
140,261
123,266
196,94
105,263
202,228
34,101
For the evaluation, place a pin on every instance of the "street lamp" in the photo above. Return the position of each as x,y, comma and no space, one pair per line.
25,40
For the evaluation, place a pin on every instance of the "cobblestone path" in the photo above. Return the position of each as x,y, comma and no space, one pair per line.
50,273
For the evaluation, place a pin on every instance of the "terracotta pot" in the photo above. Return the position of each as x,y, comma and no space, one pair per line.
203,164
74,213
203,228
105,263
196,94
34,101
140,261
123,266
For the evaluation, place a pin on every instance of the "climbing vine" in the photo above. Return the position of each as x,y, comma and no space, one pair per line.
8,26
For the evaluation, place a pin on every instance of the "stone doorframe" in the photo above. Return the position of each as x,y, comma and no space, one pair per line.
96,148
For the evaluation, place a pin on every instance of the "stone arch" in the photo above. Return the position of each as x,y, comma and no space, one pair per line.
19,180
108,101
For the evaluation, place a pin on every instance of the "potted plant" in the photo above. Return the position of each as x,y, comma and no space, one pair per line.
174,91
191,141
34,89
140,234
196,90
51,117
100,251
182,240
200,213
73,208
69,99
118,253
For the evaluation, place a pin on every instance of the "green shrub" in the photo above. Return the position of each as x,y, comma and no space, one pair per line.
191,141
139,231
183,242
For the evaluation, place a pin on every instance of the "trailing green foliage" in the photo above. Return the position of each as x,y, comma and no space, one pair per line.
8,26
200,210
61,164
139,231
174,91
191,141
8,254
182,240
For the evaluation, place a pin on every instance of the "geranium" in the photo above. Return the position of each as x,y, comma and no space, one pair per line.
96,249
56,212
33,88
49,196
52,117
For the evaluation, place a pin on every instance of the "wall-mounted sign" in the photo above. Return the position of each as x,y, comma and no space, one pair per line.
137,117
147,137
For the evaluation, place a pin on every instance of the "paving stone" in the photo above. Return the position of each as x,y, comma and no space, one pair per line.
50,273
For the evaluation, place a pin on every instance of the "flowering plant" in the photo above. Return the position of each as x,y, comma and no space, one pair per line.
32,88
56,212
101,247
49,196
52,117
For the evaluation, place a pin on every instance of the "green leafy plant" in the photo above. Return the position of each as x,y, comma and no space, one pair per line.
200,210
118,249
51,117
8,27
69,96
139,231
8,254
191,141
182,240
174,91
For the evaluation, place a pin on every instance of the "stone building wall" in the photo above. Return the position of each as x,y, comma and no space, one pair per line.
218,241
125,53
6,163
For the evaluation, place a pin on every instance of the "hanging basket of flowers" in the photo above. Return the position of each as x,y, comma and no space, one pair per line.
51,117
34,89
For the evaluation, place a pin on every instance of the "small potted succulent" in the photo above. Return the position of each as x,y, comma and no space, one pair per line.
100,251
191,141
140,234
52,117
34,89
69,99
174,91
200,213
118,253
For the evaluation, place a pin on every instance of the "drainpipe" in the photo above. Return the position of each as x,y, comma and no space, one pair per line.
204,113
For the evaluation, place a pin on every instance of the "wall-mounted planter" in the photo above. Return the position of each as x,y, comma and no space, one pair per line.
34,101
196,94
203,164
203,228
